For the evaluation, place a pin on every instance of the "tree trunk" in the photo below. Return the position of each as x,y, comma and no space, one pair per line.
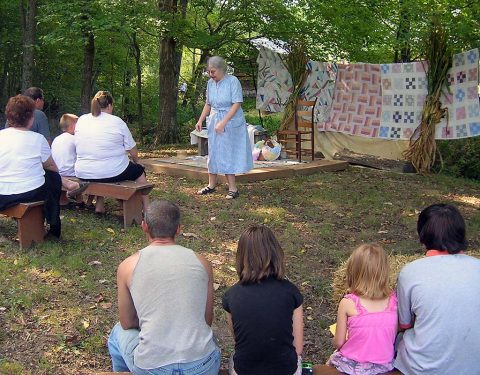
167,131
403,35
29,24
138,67
170,59
195,87
87,79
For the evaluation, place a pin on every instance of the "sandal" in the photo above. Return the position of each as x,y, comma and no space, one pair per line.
206,190
82,186
232,195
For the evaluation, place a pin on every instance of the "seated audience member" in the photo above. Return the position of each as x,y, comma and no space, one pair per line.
103,143
27,170
40,122
264,309
439,300
64,155
367,315
165,303
63,146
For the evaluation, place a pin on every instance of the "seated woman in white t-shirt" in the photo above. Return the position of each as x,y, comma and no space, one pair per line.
103,143
27,170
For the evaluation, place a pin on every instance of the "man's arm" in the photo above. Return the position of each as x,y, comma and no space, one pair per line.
209,304
126,308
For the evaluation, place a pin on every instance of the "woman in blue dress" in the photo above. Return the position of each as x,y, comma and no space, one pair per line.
229,150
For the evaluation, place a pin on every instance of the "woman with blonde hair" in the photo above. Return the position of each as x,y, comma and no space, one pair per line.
367,315
104,143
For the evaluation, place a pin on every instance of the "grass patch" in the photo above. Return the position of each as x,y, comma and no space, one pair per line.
58,300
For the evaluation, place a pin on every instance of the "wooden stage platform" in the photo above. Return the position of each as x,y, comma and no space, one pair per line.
196,167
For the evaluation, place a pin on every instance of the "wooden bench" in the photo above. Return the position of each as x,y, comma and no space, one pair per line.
329,370
30,220
128,192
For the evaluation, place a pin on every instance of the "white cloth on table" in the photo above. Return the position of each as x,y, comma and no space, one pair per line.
64,154
102,143
22,153
251,135
194,135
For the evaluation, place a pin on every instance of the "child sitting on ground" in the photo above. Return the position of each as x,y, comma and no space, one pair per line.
367,316
261,308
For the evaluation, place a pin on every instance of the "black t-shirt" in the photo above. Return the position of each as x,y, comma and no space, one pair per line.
262,322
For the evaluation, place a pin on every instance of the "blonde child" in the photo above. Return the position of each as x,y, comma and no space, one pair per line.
367,316
264,310
64,155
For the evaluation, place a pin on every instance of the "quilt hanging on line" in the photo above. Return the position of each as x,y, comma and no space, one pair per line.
357,101
404,90
320,84
274,83
462,101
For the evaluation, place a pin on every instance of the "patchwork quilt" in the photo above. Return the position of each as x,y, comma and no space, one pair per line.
320,84
462,98
370,100
404,89
357,101
274,83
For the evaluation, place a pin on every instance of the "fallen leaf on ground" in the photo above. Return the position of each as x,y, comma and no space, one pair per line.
190,235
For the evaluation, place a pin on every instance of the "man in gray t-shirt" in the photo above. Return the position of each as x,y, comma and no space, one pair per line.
40,122
439,300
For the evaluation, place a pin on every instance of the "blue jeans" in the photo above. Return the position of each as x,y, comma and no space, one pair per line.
122,343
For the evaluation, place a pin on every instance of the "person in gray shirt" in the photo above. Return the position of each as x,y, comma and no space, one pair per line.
40,121
439,300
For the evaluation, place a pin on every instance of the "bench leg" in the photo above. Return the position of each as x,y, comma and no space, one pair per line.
132,210
30,227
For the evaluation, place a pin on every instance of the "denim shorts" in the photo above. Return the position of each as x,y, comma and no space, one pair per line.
122,344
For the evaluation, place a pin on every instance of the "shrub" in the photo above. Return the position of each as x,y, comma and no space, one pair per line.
461,157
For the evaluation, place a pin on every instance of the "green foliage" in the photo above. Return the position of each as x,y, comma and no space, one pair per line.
460,157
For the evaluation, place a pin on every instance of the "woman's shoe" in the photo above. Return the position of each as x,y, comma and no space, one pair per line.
82,186
232,195
206,190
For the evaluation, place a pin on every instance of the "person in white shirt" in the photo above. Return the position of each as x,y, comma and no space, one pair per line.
104,143
64,155
63,146
27,170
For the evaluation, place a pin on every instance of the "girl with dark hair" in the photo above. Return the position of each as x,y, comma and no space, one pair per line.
439,300
264,310
104,143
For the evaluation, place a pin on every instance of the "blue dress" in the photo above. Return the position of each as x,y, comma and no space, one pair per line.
229,152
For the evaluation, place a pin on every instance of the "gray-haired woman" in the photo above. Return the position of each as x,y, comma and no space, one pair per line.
229,150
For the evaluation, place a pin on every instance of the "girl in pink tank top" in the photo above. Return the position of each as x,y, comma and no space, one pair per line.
367,316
